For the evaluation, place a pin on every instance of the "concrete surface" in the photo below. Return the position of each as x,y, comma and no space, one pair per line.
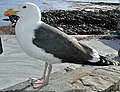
16,67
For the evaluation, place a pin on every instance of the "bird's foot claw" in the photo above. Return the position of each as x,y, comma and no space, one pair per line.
38,82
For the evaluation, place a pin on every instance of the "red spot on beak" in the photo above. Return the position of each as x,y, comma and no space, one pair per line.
7,14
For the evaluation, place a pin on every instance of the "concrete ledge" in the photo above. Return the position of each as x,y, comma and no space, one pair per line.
84,79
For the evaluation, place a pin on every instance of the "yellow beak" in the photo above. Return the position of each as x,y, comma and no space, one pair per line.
10,12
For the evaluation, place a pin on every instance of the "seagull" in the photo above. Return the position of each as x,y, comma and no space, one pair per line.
44,42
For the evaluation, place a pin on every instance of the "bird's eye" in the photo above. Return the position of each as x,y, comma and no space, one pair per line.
24,7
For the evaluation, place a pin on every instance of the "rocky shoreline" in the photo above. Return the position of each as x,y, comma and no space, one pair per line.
78,22
83,22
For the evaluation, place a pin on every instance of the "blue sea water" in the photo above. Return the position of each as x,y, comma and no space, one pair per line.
43,4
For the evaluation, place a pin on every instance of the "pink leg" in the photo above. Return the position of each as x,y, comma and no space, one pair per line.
39,83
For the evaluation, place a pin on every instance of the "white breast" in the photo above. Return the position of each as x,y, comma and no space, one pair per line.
25,34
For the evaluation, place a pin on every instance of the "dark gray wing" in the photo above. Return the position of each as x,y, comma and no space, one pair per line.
59,44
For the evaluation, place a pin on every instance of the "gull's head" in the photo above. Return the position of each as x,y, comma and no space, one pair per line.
25,11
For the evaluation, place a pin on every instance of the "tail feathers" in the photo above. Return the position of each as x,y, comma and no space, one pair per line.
92,52
97,59
105,61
